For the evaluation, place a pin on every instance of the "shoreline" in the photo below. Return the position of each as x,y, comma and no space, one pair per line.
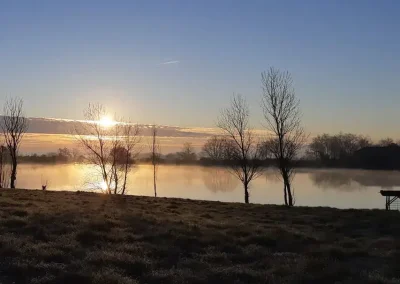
127,195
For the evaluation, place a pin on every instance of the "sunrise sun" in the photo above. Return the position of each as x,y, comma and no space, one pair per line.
107,121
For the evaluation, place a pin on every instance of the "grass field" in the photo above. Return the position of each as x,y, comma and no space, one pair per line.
68,237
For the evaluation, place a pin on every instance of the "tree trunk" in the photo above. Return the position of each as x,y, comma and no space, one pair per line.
290,195
1,167
115,180
246,193
13,172
287,189
154,180
285,194
126,170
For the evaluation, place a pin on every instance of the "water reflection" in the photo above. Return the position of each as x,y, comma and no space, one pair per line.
349,180
335,180
219,179
272,175
189,174
323,187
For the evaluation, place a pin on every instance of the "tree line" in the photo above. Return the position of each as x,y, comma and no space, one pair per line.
218,151
347,150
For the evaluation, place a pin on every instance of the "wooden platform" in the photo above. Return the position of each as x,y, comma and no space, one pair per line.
391,196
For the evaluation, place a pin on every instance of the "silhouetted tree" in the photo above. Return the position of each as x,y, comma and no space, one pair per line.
187,154
218,149
234,122
64,155
282,114
341,146
266,149
386,142
154,155
14,126
110,148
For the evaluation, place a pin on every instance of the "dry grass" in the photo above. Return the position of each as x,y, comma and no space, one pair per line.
66,237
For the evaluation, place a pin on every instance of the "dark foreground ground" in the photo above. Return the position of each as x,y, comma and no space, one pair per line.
67,237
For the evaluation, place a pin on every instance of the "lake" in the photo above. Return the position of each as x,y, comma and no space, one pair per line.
338,188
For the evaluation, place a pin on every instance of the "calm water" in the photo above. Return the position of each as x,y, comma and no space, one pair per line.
327,187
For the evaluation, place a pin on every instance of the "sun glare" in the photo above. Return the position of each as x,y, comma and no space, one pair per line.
107,121
103,185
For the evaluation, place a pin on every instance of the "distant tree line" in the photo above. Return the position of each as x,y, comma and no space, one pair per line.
353,151
325,150
63,155
340,147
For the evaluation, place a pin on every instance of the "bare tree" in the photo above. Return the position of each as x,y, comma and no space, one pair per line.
385,142
187,154
216,148
155,155
337,147
14,126
92,136
234,122
110,148
283,117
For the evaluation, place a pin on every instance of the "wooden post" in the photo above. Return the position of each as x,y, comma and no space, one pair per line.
387,203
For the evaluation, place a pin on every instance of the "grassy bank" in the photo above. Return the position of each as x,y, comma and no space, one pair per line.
66,237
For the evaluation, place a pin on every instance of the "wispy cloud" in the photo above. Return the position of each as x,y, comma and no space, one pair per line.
170,62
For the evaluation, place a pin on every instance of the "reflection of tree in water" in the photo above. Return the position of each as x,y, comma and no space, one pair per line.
219,179
383,179
189,173
354,179
272,175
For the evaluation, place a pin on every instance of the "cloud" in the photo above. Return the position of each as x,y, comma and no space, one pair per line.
49,134
39,125
170,62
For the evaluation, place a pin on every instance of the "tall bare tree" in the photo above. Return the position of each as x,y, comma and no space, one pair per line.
110,148
14,126
283,120
234,122
155,153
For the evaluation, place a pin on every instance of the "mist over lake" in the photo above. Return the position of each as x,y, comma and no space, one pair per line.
340,188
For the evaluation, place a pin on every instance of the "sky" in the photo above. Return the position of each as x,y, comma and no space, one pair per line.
179,62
